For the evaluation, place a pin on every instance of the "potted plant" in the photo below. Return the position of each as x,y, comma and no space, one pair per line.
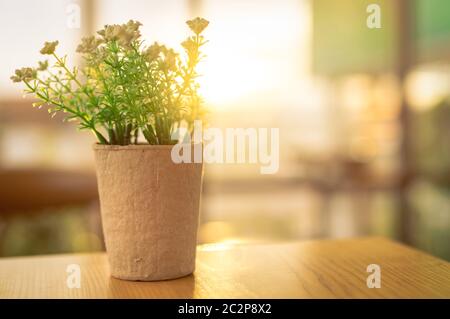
125,91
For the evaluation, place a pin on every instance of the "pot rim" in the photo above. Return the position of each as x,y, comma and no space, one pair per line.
107,147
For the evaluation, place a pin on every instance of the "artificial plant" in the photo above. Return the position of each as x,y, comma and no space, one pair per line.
124,87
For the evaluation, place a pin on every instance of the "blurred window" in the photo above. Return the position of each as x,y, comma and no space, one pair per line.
24,26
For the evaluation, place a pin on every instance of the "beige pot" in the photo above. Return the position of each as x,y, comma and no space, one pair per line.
150,210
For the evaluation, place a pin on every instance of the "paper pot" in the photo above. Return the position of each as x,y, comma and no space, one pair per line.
150,209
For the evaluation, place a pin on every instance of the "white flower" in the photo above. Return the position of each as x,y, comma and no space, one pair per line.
24,74
197,25
49,47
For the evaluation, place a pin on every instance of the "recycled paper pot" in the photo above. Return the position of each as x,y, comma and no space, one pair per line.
150,209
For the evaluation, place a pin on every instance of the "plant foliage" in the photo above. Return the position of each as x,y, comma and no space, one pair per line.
124,88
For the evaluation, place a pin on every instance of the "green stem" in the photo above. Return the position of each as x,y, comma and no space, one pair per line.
100,137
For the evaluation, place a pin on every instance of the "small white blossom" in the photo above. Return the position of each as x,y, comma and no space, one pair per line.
49,47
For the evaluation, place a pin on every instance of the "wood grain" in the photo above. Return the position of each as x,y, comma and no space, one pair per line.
313,269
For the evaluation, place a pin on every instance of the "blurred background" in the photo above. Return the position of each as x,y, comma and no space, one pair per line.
364,118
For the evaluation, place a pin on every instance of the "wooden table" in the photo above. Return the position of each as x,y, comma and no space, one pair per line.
312,269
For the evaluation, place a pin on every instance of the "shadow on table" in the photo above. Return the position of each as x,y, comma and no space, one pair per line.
178,288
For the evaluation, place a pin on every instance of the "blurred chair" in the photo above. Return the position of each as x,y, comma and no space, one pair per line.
32,193
29,191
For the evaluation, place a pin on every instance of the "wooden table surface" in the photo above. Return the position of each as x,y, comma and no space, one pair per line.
312,269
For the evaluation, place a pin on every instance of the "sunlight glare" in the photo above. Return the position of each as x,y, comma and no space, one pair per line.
250,56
